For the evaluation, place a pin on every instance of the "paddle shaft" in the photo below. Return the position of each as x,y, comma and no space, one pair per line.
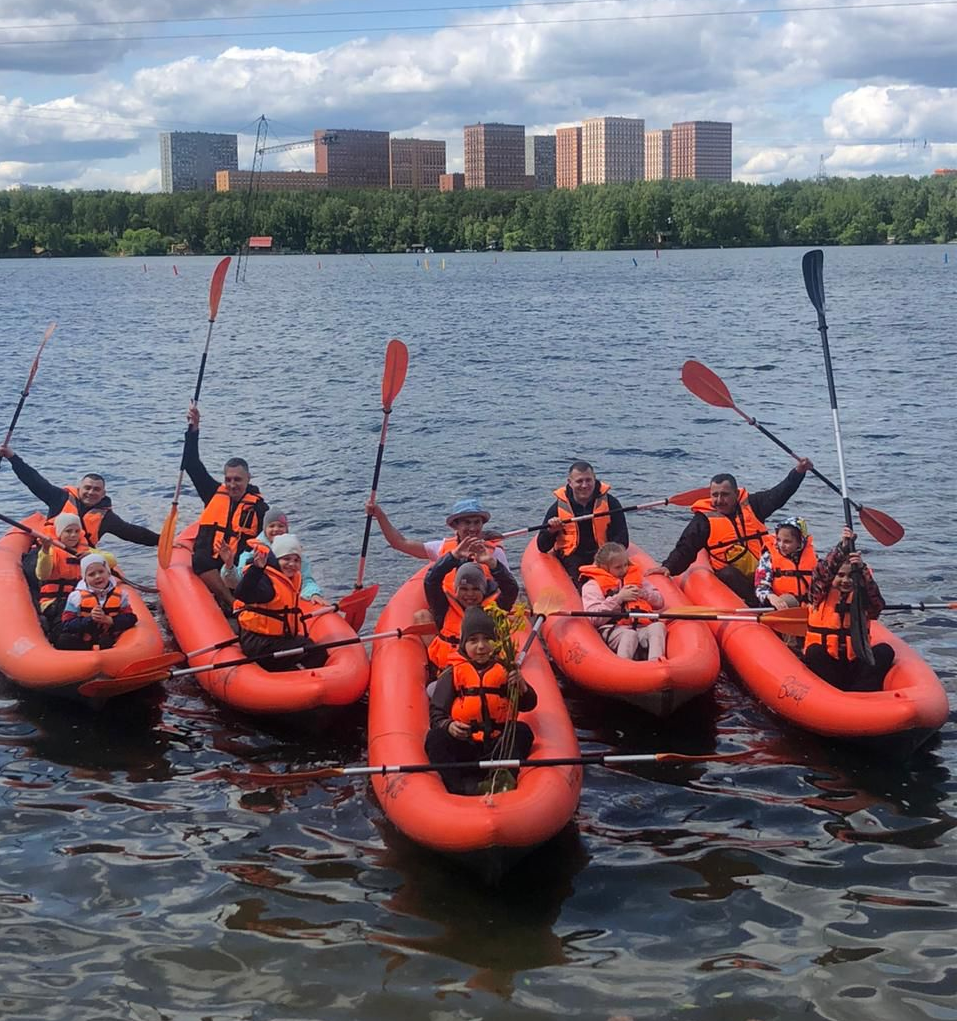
659,615
35,533
375,486
24,393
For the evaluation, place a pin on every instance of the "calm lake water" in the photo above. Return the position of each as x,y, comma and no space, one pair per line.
801,882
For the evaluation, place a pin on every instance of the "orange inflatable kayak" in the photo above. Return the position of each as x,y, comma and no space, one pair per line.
897,720
487,833
197,622
691,662
28,659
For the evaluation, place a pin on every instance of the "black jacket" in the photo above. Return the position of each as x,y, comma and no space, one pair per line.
438,599
617,525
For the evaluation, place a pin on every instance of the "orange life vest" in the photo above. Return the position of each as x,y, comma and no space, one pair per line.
609,584
91,520
112,606
236,530
735,541
446,642
570,536
788,578
64,575
481,699
449,544
281,615
829,624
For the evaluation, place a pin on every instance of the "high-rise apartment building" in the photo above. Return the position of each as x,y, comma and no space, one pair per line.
658,155
701,150
540,159
270,180
452,182
416,163
189,159
495,156
351,158
613,150
568,157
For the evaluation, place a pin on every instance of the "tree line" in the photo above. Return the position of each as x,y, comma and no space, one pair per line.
678,214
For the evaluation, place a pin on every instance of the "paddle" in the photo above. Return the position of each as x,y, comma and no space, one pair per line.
108,687
920,606
813,267
165,548
710,388
685,499
595,759
393,376
139,669
26,388
792,621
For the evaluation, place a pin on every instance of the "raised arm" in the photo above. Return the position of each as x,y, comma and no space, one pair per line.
393,536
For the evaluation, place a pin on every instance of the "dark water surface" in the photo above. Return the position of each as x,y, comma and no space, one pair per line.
801,882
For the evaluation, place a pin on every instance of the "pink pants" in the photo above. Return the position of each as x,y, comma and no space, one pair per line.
626,641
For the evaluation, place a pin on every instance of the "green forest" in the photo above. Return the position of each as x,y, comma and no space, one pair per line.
677,214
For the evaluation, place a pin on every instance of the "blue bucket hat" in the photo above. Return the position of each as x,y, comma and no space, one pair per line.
467,508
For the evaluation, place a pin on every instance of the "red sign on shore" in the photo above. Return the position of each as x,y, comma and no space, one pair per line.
264,242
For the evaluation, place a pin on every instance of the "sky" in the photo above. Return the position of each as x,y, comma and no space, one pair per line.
867,87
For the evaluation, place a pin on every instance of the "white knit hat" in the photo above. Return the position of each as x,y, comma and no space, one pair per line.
283,545
63,521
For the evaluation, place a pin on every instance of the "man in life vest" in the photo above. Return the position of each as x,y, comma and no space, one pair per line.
472,701
828,649
88,500
58,571
783,575
576,542
97,611
469,575
232,515
613,584
467,519
268,606
729,524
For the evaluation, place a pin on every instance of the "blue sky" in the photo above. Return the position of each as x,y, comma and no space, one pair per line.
86,85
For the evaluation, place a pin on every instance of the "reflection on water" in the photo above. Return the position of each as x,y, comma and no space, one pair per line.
801,881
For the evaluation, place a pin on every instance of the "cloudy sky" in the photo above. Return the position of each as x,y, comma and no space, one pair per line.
86,85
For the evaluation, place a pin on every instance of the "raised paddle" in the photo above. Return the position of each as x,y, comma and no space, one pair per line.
792,621
595,759
710,388
685,499
165,548
26,388
393,376
412,629
812,266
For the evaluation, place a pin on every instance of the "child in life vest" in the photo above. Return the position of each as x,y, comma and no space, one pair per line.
275,523
470,705
477,578
97,611
58,571
783,574
828,649
268,610
612,584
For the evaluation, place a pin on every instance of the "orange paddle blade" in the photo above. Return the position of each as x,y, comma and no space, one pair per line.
427,628
109,687
393,376
881,526
355,606
706,385
789,622
690,496
154,665
216,287
164,551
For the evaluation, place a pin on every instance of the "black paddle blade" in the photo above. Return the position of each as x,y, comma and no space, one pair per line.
860,627
813,266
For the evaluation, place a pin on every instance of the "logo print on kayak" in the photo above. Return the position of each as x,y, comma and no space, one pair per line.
791,687
575,653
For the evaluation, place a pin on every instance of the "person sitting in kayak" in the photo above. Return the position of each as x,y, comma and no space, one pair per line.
471,703
275,523
469,575
58,571
88,500
783,575
97,611
729,524
467,519
576,542
232,515
268,610
828,648
615,584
